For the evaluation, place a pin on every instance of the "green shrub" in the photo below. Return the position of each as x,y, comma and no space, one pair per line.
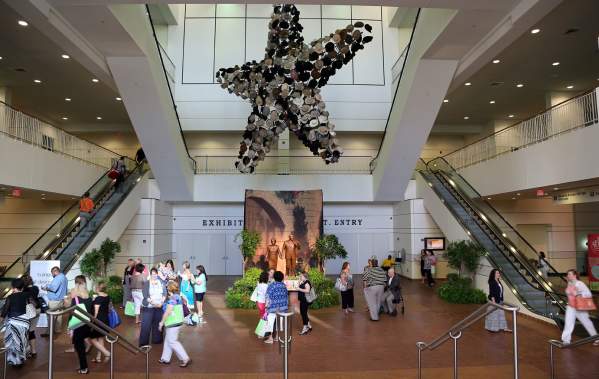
460,291
238,295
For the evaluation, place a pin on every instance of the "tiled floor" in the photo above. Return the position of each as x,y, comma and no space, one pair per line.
339,347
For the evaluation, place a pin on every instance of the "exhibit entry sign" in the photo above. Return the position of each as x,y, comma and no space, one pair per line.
593,261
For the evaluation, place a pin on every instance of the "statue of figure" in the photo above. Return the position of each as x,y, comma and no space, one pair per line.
272,254
290,249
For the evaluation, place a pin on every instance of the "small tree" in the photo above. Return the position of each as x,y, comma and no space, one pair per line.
464,256
95,263
328,247
250,240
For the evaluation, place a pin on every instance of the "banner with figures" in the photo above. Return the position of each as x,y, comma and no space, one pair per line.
593,261
41,276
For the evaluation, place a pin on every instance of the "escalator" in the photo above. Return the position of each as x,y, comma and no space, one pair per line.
65,240
506,249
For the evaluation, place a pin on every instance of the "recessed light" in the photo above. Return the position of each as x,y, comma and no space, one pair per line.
0,58
535,31
518,194
95,80
495,61
555,64
65,56
519,85
23,23
570,86
488,198
513,198
492,102
555,188
37,81
466,117
511,116
467,84
67,99
65,118
98,118
118,99
446,101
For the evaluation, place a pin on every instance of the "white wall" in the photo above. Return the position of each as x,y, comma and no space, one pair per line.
27,166
567,158
205,234
358,97
22,221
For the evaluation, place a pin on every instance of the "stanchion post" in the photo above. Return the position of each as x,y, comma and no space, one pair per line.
111,341
515,332
50,345
551,361
455,353
5,365
419,363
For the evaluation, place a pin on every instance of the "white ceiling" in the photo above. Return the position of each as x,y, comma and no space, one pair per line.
27,49
529,61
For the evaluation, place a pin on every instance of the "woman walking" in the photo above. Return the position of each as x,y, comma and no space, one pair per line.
101,305
137,282
171,338
186,287
304,288
345,285
80,295
260,293
429,259
580,301
17,324
200,291
495,321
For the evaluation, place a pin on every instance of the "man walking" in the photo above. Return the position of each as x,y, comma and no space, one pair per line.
374,279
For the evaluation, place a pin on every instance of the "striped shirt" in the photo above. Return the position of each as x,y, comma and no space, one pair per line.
374,276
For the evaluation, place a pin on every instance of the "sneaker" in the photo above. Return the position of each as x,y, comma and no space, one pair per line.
351,310
304,331
269,341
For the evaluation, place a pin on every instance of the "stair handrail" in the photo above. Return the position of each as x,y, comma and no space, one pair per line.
487,203
455,333
505,278
111,335
561,345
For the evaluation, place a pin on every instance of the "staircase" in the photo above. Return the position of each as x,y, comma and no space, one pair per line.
65,240
506,249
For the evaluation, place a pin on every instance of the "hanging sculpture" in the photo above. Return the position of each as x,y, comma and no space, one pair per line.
284,88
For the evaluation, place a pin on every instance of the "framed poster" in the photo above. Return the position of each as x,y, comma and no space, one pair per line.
434,243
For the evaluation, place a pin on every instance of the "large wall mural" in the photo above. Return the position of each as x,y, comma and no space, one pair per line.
284,88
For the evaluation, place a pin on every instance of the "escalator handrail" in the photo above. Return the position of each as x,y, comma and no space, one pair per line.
561,275
516,293
99,227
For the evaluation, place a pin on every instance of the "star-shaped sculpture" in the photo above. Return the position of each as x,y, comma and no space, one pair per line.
284,88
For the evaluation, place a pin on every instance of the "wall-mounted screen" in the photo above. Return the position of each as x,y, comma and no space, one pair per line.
436,243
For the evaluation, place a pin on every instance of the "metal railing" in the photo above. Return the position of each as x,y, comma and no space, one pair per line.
561,345
5,364
569,115
293,165
23,127
455,333
111,335
284,337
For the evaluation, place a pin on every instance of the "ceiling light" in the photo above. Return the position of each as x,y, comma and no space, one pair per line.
488,198
555,64
570,86
118,99
495,61
466,117
65,56
467,84
37,81
535,31
511,116
65,118
519,85
446,101
98,118
67,99
492,102
513,198
95,80
0,58
555,188
23,23
518,194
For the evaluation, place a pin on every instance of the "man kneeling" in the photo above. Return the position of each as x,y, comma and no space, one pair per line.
392,292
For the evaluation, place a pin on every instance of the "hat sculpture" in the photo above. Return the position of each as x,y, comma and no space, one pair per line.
284,88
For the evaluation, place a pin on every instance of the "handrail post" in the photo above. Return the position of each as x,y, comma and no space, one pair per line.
50,345
419,363
515,333
5,364
455,353
285,342
551,361
111,341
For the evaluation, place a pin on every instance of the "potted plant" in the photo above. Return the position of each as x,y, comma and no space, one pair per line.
94,264
326,247
463,256
250,240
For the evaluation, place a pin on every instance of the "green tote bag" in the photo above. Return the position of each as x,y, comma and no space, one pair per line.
75,322
130,308
175,318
